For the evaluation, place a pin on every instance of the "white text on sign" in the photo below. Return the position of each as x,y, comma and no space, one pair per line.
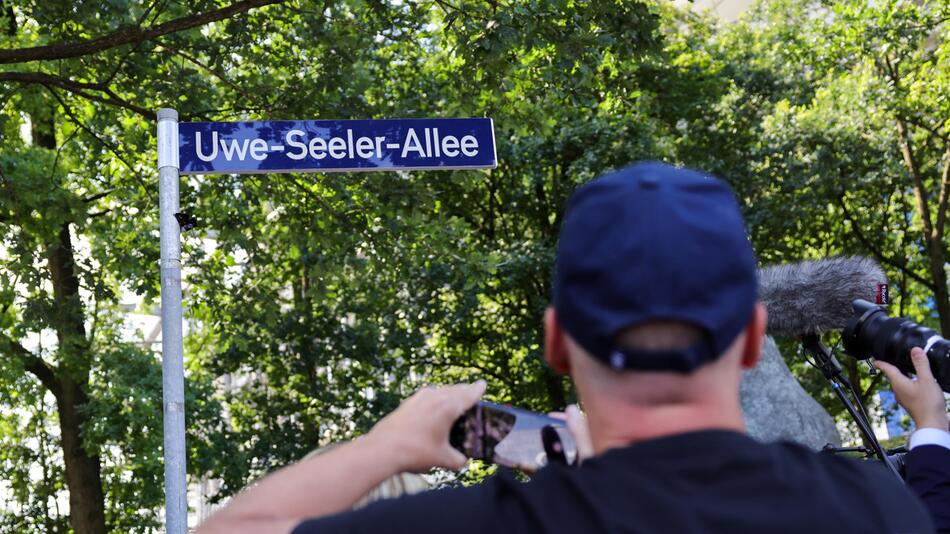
297,146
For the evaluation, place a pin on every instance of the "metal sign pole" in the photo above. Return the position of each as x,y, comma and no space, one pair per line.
268,147
173,379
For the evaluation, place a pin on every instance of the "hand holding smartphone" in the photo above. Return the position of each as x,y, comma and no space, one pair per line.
512,437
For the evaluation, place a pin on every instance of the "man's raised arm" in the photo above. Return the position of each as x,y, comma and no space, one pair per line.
414,437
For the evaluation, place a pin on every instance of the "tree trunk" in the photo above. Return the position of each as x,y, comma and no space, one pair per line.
555,387
86,502
82,470
939,275
932,235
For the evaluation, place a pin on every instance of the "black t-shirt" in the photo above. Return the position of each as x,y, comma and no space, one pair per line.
710,481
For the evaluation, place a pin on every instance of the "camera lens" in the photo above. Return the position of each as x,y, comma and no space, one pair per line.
871,333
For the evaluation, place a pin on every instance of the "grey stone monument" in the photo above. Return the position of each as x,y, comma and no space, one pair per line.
776,407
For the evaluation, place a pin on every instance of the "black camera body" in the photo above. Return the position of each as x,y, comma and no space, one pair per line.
871,333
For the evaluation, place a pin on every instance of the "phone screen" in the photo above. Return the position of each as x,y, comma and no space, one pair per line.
510,436
480,430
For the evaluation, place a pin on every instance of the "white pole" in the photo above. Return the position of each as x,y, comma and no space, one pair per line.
173,378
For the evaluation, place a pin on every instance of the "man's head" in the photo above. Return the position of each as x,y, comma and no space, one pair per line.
655,291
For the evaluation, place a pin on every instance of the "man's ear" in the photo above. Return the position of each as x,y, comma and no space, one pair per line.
555,346
754,336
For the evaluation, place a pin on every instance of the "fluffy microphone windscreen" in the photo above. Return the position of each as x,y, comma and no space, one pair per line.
812,297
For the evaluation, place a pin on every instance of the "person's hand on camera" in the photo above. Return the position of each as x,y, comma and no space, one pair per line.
577,425
417,432
921,397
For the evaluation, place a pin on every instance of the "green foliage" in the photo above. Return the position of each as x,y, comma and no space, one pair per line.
317,302
829,119
33,479
327,298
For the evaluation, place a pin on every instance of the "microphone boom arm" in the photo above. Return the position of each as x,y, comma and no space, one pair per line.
826,362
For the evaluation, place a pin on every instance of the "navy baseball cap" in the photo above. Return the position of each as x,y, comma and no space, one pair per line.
654,242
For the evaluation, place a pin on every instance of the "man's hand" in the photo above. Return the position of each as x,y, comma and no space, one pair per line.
577,426
418,430
414,437
921,397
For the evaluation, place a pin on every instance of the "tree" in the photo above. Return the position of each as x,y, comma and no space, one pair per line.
63,186
870,146
350,290
828,119
356,289
324,299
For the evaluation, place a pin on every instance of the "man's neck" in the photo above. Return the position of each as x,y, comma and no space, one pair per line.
624,425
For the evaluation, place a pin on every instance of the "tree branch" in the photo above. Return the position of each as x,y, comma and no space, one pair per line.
875,382
942,198
8,13
504,379
48,79
920,191
32,363
343,218
95,214
892,71
933,131
125,36
78,88
876,251
97,196
217,74
112,148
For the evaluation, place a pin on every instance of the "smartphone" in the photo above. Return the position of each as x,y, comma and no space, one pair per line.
512,437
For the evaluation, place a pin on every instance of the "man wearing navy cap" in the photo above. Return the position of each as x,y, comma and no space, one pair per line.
655,315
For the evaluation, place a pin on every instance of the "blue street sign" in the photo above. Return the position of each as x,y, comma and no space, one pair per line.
335,146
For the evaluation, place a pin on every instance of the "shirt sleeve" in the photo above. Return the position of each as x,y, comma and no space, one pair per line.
928,475
929,436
